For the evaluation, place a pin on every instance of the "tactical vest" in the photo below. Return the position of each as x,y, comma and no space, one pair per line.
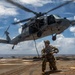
48,50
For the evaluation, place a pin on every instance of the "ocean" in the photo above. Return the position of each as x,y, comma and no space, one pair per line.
28,55
16,55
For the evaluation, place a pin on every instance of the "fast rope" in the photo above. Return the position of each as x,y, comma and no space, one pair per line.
36,46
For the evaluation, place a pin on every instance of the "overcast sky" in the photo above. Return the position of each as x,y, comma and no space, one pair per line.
9,14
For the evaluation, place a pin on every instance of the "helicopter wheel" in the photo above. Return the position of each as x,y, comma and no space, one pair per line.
54,37
39,34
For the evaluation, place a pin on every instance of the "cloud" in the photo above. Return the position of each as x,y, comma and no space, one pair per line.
39,3
36,2
7,9
65,45
1,38
19,25
72,29
29,47
74,17
20,30
17,20
71,18
5,49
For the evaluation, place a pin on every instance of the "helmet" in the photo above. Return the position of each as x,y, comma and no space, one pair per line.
47,41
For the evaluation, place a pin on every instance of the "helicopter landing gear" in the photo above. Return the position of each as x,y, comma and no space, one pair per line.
39,34
54,37
13,46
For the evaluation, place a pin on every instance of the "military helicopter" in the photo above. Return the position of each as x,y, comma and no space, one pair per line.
39,26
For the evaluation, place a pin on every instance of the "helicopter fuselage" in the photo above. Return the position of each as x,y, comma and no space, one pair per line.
48,25
43,26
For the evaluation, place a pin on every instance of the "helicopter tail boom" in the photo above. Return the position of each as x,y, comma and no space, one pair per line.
4,41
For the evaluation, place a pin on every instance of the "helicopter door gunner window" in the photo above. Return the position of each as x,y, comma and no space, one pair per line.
26,30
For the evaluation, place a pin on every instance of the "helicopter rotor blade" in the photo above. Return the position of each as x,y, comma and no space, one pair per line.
22,21
22,7
59,6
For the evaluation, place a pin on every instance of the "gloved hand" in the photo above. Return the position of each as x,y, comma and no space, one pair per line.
55,50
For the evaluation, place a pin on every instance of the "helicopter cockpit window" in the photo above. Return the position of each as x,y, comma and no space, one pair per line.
50,19
57,17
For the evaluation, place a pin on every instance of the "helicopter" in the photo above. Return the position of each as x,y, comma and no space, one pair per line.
39,26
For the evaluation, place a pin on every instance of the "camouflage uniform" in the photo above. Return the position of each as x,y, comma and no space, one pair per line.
47,56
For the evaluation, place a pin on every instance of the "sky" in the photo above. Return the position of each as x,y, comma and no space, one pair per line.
8,14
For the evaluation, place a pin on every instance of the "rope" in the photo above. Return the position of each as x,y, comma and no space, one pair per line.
36,46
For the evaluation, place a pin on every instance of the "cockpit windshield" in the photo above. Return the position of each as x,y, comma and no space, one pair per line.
57,17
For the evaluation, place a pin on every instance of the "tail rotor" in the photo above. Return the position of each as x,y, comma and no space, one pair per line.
6,31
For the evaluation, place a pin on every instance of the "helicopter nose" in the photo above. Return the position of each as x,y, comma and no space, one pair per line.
65,22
